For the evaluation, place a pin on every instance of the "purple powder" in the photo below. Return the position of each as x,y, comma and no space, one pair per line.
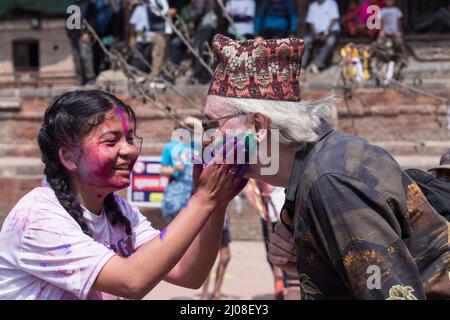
163,233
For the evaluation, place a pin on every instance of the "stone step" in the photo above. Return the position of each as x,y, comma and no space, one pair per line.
20,166
10,104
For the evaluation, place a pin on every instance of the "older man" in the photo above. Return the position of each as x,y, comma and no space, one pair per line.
362,228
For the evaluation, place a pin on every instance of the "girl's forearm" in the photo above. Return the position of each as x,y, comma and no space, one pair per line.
150,264
197,262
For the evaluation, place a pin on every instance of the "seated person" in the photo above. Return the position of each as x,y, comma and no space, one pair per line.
440,20
323,21
243,14
276,19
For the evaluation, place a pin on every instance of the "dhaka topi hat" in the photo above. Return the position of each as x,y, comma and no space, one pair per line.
257,69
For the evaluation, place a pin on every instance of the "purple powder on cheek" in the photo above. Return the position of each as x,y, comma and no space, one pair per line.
163,233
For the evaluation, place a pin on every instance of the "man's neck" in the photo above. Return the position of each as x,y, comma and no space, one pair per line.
286,161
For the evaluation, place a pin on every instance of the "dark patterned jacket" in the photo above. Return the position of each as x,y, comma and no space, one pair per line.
363,229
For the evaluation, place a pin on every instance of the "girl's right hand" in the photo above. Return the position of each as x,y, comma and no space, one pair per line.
220,183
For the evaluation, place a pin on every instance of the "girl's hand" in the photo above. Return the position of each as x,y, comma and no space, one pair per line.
220,183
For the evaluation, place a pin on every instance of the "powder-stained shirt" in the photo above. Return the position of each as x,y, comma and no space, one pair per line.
44,254
363,229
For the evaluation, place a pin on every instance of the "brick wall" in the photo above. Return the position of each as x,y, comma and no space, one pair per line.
55,56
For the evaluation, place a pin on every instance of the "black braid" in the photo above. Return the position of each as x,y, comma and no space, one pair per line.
68,119
114,213
67,198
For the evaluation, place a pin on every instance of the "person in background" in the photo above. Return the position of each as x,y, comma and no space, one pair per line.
179,11
243,14
440,20
207,16
323,21
102,25
268,201
176,164
350,21
81,45
276,19
141,39
158,12
443,170
365,14
391,20
224,259
392,31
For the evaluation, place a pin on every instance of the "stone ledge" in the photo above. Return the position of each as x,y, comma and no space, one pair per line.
18,166
10,104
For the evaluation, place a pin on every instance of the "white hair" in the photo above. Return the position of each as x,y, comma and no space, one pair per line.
297,121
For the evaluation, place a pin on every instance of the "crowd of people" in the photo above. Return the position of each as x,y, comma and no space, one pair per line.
154,43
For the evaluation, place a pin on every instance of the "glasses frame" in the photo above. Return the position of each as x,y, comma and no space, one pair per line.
206,122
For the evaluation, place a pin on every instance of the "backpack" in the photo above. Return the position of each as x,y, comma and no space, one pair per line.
435,190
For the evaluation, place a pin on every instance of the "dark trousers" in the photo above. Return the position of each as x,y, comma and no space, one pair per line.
326,48
83,60
274,33
146,51
204,34
440,19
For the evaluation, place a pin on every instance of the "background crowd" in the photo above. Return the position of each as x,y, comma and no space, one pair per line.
157,34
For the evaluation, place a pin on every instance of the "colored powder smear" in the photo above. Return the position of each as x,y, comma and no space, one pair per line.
163,233
123,118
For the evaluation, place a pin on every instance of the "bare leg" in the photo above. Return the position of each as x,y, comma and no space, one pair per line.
205,285
225,257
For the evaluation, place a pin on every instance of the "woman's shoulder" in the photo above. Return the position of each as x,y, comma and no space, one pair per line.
33,208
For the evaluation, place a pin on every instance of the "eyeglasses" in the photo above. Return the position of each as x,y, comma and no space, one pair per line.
208,124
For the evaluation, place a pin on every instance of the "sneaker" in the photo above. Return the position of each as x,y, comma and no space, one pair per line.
157,84
314,69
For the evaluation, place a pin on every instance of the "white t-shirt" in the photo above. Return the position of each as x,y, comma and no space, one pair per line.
139,19
243,14
389,19
320,16
44,254
277,198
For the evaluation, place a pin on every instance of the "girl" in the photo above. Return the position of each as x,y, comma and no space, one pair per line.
73,238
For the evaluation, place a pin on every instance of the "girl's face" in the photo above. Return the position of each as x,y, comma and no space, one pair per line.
109,154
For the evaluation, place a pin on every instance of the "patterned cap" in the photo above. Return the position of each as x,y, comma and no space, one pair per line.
265,69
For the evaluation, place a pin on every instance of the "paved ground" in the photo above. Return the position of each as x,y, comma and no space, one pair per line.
248,276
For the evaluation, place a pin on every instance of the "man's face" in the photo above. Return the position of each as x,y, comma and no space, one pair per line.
225,129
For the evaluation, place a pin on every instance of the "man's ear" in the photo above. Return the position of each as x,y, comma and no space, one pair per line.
67,158
261,124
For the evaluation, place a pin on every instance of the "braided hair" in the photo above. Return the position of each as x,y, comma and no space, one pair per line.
69,118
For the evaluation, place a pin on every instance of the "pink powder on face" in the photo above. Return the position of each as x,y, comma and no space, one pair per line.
96,168
123,118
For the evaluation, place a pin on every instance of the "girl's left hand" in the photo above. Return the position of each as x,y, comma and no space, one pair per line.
227,177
